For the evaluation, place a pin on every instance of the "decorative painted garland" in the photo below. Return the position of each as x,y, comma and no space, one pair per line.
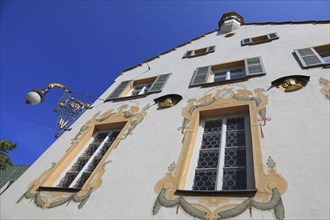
275,204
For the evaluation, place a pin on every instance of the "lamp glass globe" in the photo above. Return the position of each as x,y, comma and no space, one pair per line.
33,98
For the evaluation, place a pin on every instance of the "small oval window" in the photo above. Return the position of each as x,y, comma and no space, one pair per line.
229,35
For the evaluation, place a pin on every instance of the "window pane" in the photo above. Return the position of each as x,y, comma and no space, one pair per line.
77,166
140,89
205,180
67,179
207,167
236,123
234,179
208,159
212,134
220,77
91,150
235,138
89,157
234,172
82,179
326,56
211,141
327,59
237,74
137,90
147,87
235,157
212,126
235,135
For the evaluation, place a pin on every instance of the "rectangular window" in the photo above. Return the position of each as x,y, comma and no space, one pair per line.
222,158
86,162
227,72
140,89
199,52
136,88
260,39
314,56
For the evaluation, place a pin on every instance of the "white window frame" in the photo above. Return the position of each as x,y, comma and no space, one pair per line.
85,167
144,90
228,72
248,144
325,56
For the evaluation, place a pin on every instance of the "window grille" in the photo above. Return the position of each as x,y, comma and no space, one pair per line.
222,161
88,160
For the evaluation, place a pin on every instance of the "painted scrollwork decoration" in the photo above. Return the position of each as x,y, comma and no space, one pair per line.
269,184
243,95
68,110
50,197
325,89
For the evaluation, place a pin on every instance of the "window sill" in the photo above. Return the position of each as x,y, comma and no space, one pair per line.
227,193
58,189
322,65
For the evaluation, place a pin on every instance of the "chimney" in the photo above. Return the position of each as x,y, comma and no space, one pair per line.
230,22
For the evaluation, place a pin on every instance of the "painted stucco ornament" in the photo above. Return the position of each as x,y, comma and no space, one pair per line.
325,89
269,184
49,197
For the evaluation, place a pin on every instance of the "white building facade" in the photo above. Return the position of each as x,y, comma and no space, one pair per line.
233,124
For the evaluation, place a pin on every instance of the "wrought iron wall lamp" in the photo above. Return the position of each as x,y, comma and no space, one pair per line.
68,108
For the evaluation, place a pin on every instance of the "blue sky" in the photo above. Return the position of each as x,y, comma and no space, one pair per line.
86,44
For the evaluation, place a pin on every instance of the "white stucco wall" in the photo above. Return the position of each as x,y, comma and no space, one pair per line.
297,137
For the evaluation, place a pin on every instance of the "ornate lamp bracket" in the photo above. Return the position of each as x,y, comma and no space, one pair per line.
68,108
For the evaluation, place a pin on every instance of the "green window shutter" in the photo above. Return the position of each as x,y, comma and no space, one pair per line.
118,91
200,76
254,66
159,83
188,54
210,49
246,41
273,36
308,57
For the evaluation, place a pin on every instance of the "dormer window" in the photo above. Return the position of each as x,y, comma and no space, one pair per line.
199,52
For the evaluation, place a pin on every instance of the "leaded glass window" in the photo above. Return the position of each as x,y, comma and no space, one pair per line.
222,149
83,167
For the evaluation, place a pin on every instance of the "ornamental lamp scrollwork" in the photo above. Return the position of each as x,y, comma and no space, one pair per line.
68,108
